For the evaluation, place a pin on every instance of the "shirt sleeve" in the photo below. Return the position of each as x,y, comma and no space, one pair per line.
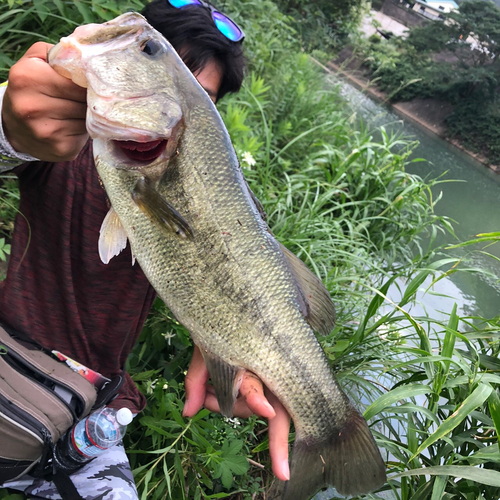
9,157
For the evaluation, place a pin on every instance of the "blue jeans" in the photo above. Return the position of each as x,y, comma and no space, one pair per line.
107,477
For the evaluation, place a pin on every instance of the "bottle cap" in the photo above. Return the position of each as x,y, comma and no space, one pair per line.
124,416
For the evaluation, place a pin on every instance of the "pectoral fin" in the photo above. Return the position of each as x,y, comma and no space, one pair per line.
319,308
112,237
226,380
159,210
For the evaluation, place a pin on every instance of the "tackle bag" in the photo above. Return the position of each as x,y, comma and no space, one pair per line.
41,397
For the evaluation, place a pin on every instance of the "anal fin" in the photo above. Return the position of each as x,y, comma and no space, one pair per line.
348,459
226,380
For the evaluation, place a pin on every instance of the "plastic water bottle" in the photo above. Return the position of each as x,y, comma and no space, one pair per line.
100,431
92,436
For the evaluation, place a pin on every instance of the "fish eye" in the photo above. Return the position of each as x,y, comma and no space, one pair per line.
151,47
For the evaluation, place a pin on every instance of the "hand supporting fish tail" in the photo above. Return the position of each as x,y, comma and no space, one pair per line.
253,398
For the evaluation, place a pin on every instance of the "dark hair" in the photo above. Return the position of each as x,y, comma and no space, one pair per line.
192,33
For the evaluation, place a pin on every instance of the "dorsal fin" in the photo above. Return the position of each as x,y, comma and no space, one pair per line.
320,311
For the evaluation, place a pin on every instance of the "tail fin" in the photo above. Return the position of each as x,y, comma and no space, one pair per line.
348,460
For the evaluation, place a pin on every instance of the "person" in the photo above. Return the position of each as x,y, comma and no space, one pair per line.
57,291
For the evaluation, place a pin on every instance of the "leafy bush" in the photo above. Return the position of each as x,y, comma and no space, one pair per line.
9,202
454,61
477,127
323,24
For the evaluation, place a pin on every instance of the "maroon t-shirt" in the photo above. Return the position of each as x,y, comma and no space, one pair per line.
57,290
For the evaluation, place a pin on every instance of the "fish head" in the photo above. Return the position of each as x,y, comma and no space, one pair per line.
131,73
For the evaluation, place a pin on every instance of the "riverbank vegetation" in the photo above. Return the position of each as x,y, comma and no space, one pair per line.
454,62
345,204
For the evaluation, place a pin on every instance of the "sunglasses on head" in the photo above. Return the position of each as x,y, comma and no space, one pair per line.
224,24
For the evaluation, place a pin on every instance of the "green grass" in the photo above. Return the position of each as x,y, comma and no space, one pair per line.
344,203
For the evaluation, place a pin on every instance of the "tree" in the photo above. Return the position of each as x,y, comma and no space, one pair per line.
339,16
479,21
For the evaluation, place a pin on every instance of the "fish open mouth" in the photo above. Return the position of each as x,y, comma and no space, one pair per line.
142,151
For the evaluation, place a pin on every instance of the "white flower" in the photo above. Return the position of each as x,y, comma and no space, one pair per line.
234,422
169,336
247,158
150,385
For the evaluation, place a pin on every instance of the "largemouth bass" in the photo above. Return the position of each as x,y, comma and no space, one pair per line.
179,196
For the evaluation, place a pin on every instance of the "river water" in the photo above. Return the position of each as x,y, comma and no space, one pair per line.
471,198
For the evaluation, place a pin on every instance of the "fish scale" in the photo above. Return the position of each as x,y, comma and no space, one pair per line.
198,234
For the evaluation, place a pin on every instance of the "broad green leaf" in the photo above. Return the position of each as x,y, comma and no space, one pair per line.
449,338
179,470
411,408
401,393
494,406
262,446
439,487
234,447
339,346
477,398
238,464
85,12
481,238
490,362
417,282
166,475
487,454
41,9
147,478
225,495
425,359
226,476
373,307
483,476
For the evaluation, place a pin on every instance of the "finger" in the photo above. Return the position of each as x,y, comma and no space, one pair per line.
74,128
56,130
212,404
63,109
249,386
39,50
51,83
252,391
195,382
63,88
62,130
279,428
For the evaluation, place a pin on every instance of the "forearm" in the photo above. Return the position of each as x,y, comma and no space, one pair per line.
9,157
